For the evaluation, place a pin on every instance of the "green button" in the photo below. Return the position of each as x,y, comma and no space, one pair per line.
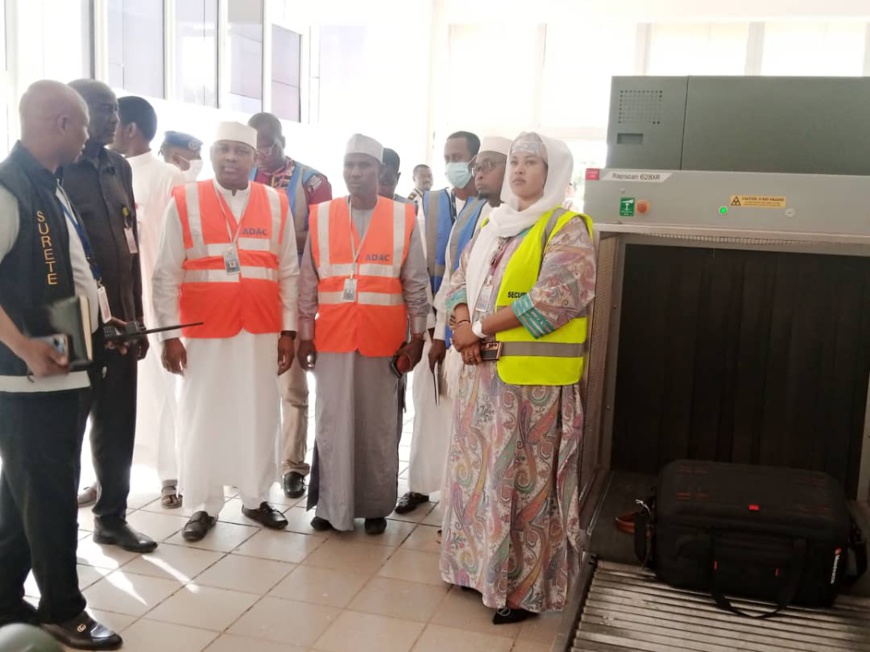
626,207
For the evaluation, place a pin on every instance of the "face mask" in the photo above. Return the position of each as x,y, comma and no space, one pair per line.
193,171
458,174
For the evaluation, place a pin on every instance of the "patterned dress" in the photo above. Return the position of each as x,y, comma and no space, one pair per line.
511,523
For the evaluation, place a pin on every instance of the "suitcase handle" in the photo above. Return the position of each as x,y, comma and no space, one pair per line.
786,594
644,525
858,547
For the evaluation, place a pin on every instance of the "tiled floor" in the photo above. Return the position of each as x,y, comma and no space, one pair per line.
245,589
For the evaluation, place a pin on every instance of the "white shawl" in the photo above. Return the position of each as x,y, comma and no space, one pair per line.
507,220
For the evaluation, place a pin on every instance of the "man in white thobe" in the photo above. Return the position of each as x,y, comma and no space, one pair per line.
153,181
228,259
434,413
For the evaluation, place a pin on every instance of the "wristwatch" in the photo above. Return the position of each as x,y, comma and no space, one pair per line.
477,329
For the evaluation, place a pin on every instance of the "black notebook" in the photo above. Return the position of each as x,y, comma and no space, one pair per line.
69,317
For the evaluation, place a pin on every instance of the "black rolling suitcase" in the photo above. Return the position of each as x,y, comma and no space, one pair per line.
773,534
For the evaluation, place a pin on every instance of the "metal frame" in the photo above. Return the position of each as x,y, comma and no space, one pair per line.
687,237
864,468
308,57
567,626
7,73
169,76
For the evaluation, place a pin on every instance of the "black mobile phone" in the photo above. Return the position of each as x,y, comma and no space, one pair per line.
58,342
490,351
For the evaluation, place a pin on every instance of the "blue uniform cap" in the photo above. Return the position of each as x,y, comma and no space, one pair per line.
185,141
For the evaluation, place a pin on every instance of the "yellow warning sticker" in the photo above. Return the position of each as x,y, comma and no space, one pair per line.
757,201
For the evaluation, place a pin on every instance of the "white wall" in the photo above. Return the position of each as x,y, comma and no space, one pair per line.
649,10
547,66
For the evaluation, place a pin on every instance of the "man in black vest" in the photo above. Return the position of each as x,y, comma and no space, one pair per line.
100,185
43,258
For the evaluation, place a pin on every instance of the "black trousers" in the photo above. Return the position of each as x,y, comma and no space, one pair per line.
40,445
111,405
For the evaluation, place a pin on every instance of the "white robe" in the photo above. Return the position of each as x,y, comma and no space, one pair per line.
433,420
229,407
156,402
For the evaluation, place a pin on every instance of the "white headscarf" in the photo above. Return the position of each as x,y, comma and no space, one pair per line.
507,220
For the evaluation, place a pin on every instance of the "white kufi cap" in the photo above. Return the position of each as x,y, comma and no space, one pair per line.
359,144
237,132
495,144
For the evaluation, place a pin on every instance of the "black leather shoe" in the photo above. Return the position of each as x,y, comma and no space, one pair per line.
24,614
410,501
294,484
84,633
376,525
123,536
197,527
267,516
321,524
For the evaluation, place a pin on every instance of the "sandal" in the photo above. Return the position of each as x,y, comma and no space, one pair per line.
89,495
508,616
169,497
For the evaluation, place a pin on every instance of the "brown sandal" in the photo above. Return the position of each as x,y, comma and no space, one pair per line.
169,497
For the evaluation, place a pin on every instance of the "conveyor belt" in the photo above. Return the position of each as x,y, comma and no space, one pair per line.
627,609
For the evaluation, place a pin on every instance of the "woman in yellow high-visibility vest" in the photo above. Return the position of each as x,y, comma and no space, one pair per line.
518,304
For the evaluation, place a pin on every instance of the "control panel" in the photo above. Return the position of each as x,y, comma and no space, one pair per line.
747,202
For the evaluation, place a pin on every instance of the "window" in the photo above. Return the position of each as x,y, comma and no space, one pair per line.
6,83
812,49
286,73
505,60
246,55
196,51
576,81
342,71
698,49
135,41
3,60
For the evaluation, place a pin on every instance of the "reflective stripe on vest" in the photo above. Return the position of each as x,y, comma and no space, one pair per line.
228,303
299,202
464,228
375,323
463,232
556,358
439,215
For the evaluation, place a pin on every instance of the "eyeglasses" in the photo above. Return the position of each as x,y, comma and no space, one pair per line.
484,166
265,151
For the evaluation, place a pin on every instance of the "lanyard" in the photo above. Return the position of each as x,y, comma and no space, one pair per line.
498,255
353,248
80,230
222,202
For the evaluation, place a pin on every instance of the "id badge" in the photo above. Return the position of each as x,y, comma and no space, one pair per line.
231,261
483,299
131,240
348,295
103,300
